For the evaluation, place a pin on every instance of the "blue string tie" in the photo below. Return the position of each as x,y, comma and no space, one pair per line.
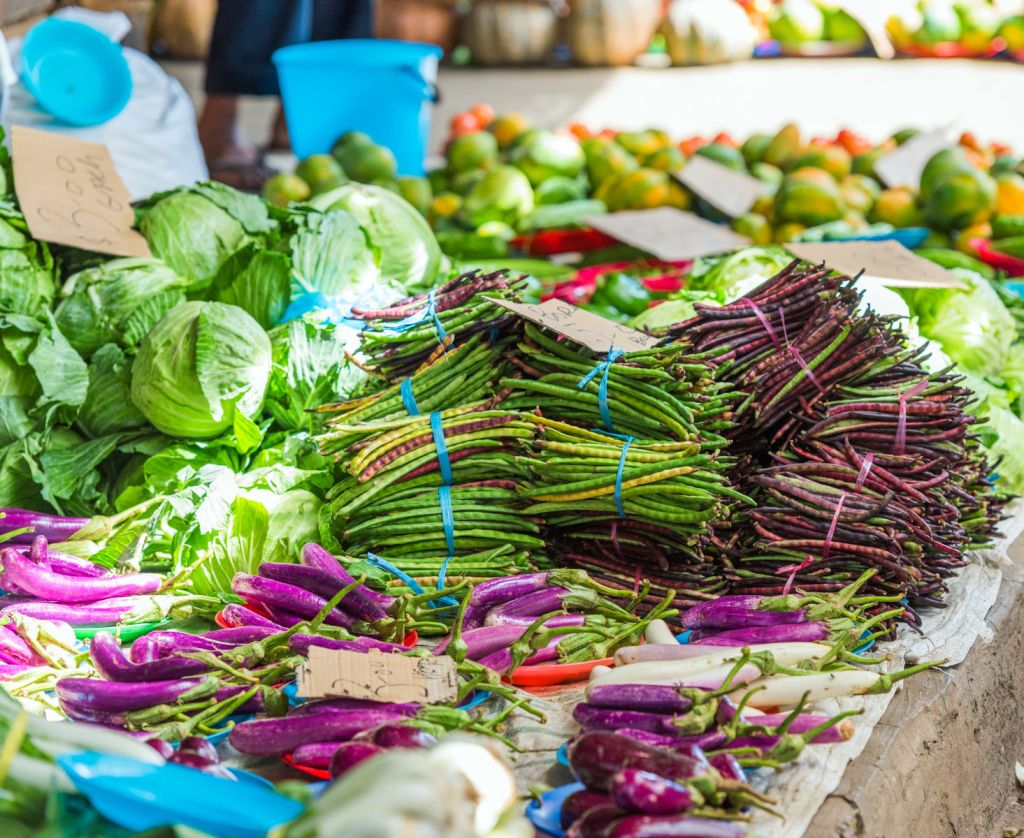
603,367
408,397
428,312
442,449
384,564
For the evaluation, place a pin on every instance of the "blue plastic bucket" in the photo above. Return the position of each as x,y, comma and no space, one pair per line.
385,89
75,72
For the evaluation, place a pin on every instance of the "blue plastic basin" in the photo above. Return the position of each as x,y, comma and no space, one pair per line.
75,72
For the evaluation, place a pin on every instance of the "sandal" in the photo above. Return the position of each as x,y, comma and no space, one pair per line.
244,175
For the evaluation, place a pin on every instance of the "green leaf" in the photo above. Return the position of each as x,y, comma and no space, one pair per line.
250,210
247,432
330,254
232,360
108,406
71,480
62,374
263,288
240,551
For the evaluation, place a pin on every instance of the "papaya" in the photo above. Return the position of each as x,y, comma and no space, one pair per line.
754,148
896,207
833,159
508,127
767,173
765,205
788,232
755,227
784,147
322,172
1010,194
608,161
810,197
283,188
640,143
904,134
840,26
1004,226
1011,30
559,190
864,164
859,192
417,191
478,150
961,199
639,189
963,238
445,205
677,196
667,159
941,164
462,184
1002,164
731,158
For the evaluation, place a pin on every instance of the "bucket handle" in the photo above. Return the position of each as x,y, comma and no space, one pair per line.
429,90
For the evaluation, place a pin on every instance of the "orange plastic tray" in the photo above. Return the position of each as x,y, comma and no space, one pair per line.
551,674
318,773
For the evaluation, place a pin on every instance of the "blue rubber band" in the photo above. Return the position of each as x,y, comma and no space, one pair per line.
603,367
384,564
444,498
428,312
627,440
408,398
442,450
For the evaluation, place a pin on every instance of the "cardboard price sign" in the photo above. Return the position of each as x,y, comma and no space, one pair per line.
668,233
377,676
903,165
886,261
731,192
71,193
584,327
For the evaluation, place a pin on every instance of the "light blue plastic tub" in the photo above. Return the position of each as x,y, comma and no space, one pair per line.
385,89
75,72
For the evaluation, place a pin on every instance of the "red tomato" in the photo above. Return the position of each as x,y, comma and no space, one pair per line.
484,114
464,123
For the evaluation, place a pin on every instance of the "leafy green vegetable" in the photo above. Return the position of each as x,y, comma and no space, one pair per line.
1001,434
117,302
42,379
196,230
202,362
309,370
972,325
108,406
26,267
330,254
731,276
240,550
262,288
410,257
664,315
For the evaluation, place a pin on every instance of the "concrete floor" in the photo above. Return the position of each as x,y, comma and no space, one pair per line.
874,97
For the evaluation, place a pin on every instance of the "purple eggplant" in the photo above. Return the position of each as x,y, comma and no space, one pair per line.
235,615
589,717
672,826
654,698
729,612
323,584
97,694
111,663
532,605
593,822
580,802
300,643
728,766
598,756
162,644
648,794
161,746
501,660
839,732
191,759
807,632
346,705
494,592
14,650
13,670
692,745
108,718
397,735
54,527
273,737
280,595
313,555
201,746
40,553
316,754
480,642
557,621
350,754
45,584
284,617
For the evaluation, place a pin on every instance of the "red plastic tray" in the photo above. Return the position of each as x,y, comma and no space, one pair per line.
551,674
573,240
1010,265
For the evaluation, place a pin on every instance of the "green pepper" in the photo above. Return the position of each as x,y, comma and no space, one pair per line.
622,291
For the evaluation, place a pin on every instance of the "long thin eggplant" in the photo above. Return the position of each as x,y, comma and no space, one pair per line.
736,611
316,754
579,802
235,615
323,584
112,664
598,756
593,822
289,597
313,555
653,698
648,794
350,754
64,563
97,694
672,826
300,643
45,584
54,527
807,632
273,737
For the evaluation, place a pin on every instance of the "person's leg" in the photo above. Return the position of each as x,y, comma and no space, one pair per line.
245,35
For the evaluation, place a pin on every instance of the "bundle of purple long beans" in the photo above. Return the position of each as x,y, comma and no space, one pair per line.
857,458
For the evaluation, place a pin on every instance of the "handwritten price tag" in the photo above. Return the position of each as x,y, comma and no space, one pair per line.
729,191
71,194
904,164
889,262
668,233
377,676
586,328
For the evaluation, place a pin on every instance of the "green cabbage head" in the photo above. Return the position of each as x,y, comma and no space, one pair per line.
202,365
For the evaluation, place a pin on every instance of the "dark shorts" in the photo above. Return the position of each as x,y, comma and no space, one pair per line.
246,33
